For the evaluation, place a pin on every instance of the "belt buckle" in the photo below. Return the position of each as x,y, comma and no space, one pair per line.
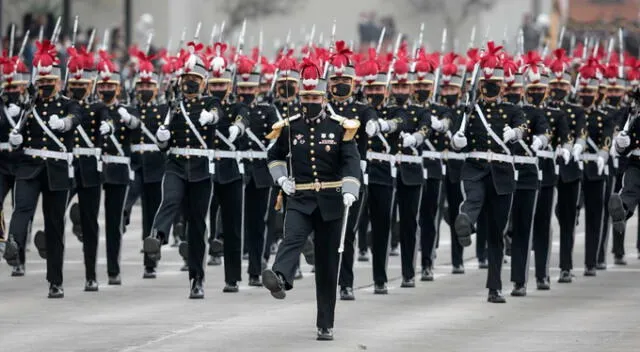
317,186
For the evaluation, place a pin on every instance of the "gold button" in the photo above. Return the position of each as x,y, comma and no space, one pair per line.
312,136
312,144
313,167
312,151
313,158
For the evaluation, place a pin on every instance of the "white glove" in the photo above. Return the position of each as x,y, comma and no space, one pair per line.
15,138
600,163
205,117
56,123
384,125
287,185
372,128
459,140
163,134
348,199
536,144
363,165
105,128
566,155
577,150
437,125
124,114
408,140
622,141
234,131
13,110
508,134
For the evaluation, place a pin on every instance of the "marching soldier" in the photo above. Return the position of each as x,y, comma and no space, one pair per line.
88,141
147,161
488,173
341,90
324,169
600,132
15,78
189,167
116,155
257,181
570,173
529,176
45,166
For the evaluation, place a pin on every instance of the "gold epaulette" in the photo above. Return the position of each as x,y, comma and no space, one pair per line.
276,129
350,125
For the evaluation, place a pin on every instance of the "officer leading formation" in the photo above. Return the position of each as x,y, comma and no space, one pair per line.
315,150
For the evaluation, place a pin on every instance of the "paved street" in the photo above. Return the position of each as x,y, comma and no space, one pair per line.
449,314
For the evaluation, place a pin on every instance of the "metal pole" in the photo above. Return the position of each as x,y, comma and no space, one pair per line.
128,9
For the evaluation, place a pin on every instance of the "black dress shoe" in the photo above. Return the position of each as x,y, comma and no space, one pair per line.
11,252
346,294
216,246
197,292
590,272
495,296
482,264
274,283
427,275
56,291
380,289
255,281
91,286
394,252
325,334
519,290
74,215
115,280
230,288
619,260
565,277
299,275
41,243
617,213
458,269
149,273
543,284
363,257
151,247
214,261
18,271
464,228
601,266
408,283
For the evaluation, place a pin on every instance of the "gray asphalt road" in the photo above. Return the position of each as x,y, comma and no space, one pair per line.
449,314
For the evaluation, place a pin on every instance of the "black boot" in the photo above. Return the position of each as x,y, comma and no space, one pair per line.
197,292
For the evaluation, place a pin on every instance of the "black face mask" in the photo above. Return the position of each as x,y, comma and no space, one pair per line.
513,98
46,91
614,101
220,94
491,89
341,90
108,95
78,93
287,90
12,97
599,99
191,87
535,98
247,98
450,99
312,110
401,99
586,100
422,95
375,99
558,94
145,95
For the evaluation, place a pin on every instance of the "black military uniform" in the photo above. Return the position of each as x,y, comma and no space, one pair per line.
621,163
326,167
45,168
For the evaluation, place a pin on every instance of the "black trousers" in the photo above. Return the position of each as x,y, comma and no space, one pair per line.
380,216
609,183
428,218
6,184
618,237
274,223
364,238
594,208
89,205
53,208
197,195
298,226
567,211
542,232
482,230
135,192
481,197
229,197
522,215
255,210
454,199
114,201
408,204
346,264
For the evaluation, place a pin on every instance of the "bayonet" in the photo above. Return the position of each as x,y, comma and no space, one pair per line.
12,38
75,32
380,40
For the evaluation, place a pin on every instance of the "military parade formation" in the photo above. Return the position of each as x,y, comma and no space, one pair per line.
324,152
